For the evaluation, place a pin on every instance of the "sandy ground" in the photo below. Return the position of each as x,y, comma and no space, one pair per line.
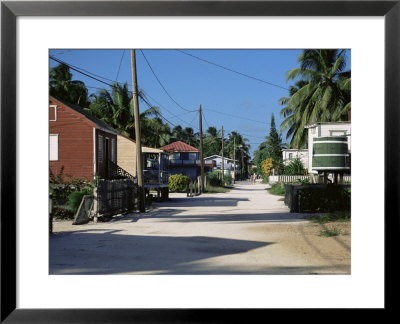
245,231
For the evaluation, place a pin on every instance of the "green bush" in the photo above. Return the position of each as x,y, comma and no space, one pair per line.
178,183
214,179
277,189
295,167
75,199
265,179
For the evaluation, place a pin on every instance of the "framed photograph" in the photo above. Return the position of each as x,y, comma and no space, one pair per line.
370,29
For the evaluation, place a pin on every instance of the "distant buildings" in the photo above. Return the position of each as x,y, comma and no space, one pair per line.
185,159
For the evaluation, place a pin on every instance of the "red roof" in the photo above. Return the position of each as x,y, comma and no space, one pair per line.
179,147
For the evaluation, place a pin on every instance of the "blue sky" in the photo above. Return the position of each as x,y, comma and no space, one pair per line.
236,102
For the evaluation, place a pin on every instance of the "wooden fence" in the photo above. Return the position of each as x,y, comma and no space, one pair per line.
116,196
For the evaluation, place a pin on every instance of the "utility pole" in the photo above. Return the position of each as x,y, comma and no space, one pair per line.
234,159
223,171
139,158
201,151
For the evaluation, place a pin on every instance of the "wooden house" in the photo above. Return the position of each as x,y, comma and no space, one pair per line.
185,159
155,163
80,143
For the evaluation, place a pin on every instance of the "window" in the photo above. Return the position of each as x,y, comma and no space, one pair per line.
113,150
290,156
184,155
53,113
53,147
192,156
100,149
337,132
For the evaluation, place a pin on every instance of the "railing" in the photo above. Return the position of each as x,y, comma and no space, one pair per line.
180,162
296,178
116,172
153,177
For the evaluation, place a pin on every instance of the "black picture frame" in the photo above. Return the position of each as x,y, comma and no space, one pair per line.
10,10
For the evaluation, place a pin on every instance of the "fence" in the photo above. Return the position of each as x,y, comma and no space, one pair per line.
297,178
116,196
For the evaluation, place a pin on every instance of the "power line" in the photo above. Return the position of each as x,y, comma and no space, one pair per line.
110,85
77,70
172,115
233,71
116,79
204,116
158,80
234,116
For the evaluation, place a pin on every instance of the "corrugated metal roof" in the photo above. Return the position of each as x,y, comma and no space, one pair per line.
179,146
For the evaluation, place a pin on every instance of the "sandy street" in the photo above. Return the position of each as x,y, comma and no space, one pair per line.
244,231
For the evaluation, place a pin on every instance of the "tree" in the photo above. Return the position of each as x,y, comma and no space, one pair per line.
242,152
321,95
270,148
212,142
63,87
185,135
116,109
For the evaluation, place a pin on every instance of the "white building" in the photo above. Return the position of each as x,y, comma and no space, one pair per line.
327,129
228,163
289,155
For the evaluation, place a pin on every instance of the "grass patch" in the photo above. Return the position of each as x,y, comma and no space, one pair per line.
276,189
343,216
330,232
217,189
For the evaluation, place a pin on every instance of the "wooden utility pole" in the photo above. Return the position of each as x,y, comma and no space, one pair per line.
201,151
139,158
223,171
234,159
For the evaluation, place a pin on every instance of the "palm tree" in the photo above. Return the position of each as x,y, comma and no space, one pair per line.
116,109
63,87
242,151
154,132
212,144
321,95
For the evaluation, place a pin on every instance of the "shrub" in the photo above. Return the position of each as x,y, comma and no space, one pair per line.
75,198
277,189
62,213
265,179
214,179
178,183
267,166
295,167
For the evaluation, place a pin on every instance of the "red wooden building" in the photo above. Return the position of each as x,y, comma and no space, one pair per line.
84,145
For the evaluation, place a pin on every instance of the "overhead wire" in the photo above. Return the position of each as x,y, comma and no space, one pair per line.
231,70
120,63
162,86
86,73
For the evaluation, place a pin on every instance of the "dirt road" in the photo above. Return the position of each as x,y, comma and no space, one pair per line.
245,231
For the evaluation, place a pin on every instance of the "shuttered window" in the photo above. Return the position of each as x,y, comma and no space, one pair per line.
100,149
53,147
113,150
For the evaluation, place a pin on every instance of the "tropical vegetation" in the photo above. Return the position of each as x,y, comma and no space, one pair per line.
321,93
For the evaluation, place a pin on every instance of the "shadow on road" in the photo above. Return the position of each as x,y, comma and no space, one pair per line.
228,215
202,201
90,252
